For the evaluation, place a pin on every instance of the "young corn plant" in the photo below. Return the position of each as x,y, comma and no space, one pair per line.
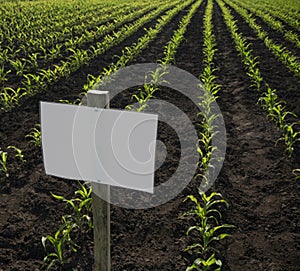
91,81
3,75
269,99
296,173
54,52
60,242
208,230
278,114
33,60
19,66
212,263
33,83
3,163
81,207
19,154
35,136
10,97
204,147
48,75
78,58
75,102
146,93
290,137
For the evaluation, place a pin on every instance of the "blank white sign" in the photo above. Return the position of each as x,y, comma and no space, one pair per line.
107,146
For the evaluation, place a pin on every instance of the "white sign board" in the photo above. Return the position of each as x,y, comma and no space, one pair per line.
106,146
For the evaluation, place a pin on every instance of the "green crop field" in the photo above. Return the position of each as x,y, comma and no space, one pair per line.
247,55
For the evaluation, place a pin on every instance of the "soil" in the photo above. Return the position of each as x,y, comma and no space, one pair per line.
256,178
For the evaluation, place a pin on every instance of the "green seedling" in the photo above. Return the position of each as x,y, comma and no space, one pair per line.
81,207
35,136
54,52
78,58
48,75
91,81
212,263
3,163
208,80
290,137
296,172
269,99
149,88
207,228
208,219
10,97
18,153
34,83
76,102
19,66
60,242
33,60
3,75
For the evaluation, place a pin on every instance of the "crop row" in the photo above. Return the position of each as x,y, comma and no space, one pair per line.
272,22
283,54
169,53
46,50
279,12
205,206
44,18
128,54
291,5
208,226
62,240
136,48
16,34
39,81
269,99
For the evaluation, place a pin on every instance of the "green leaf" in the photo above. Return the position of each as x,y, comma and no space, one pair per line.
57,196
192,198
197,228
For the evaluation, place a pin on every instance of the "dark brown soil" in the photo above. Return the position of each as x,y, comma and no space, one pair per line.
256,178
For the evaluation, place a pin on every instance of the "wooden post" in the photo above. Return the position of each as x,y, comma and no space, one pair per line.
101,206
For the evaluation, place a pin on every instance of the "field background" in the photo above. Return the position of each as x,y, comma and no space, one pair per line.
56,50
